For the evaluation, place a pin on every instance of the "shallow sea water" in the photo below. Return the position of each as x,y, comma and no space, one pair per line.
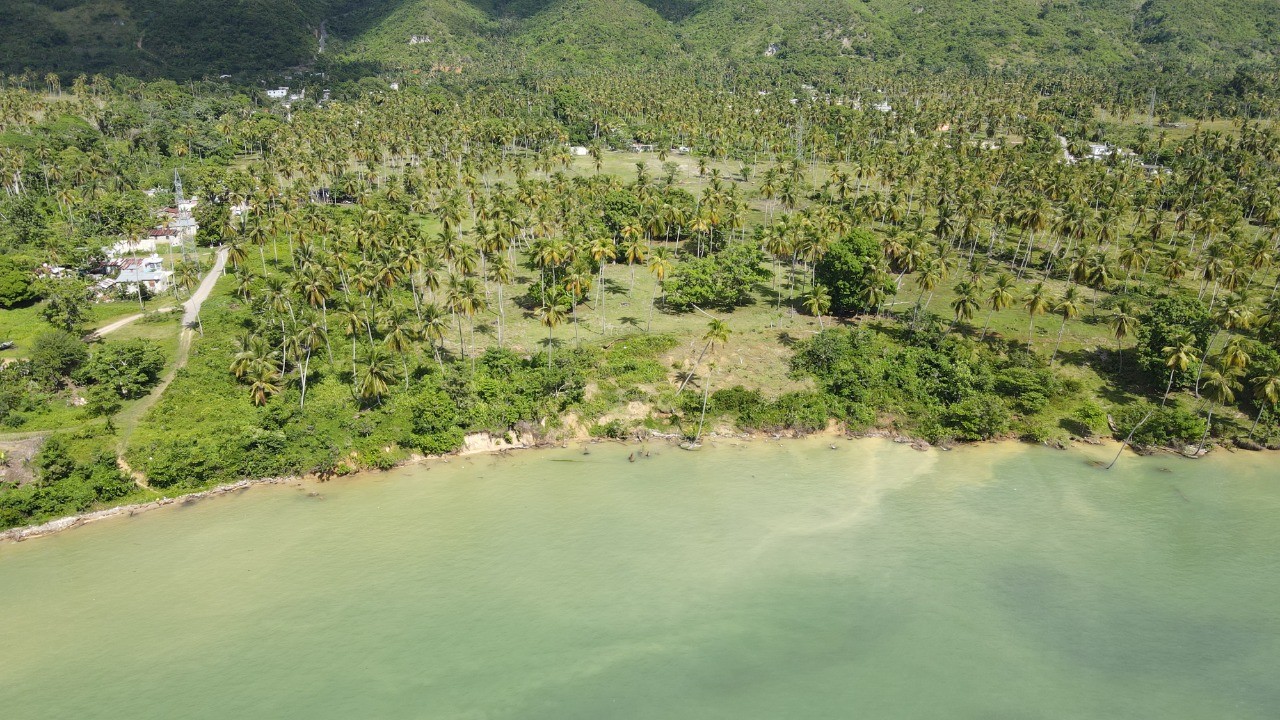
753,580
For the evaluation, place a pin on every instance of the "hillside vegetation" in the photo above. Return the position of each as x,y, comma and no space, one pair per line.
181,38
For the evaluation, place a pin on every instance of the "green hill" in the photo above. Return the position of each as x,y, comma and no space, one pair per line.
204,37
179,38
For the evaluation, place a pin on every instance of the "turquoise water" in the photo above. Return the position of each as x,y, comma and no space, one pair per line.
757,581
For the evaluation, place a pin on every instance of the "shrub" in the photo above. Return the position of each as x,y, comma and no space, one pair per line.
723,280
1168,426
614,429
130,367
847,269
16,287
56,354
980,417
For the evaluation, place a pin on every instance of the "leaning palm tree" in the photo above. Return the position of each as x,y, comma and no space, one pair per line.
706,393
1000,297
717,332
1219,387
1068,308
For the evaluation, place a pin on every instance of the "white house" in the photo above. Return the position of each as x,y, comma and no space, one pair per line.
578,150
279,93
148,271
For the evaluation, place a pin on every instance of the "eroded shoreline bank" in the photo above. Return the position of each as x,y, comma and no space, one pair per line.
485,444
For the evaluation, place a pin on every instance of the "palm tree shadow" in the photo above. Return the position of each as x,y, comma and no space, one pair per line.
629,321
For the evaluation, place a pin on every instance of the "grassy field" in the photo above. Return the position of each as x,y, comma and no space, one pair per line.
22,325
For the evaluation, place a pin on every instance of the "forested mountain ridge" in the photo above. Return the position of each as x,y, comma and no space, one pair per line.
183,38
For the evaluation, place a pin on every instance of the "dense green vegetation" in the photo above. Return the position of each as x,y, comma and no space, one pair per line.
193,38
953,256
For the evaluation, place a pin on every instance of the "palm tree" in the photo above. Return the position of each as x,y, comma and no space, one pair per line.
236,253
310,335
499,272
1177,357
577,282
706,393
1036,303
1266,392
265,385
660,264
244,284
1123,324
1068,308
1001,297
1219,386
376,377
253,354
399,335
602,248
932,272
1235,355
818,302
636,252
965,303
550,315
187,276
1233,315
354,320
717,332
435,322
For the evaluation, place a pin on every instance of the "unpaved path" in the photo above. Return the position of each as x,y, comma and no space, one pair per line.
128,420
112,327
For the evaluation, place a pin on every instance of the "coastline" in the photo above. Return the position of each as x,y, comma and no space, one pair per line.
487,444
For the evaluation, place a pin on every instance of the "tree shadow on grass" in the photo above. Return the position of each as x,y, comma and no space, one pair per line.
614,288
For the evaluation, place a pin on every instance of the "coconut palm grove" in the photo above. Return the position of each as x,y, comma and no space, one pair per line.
356,235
